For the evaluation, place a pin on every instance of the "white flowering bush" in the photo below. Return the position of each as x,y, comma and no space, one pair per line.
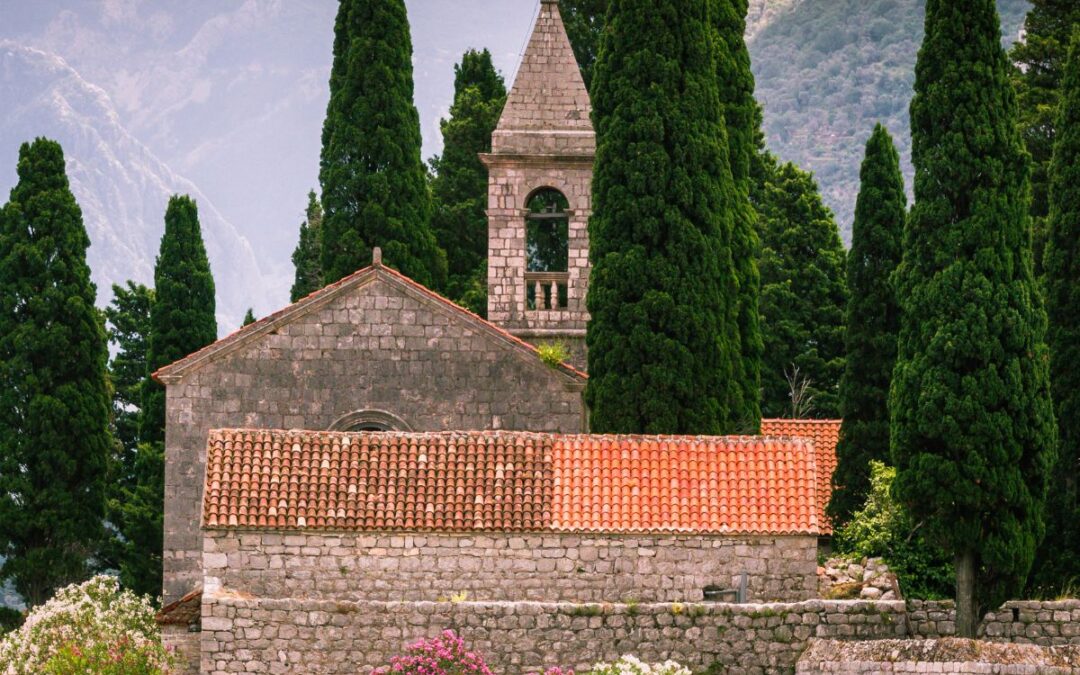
631,665
92,627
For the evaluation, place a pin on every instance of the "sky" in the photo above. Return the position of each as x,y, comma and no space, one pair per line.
231,94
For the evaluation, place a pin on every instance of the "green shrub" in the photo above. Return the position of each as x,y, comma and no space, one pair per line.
10,619
882,528
553,353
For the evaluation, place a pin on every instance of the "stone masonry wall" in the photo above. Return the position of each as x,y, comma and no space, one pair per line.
379,346
321,636
501,567
1040,622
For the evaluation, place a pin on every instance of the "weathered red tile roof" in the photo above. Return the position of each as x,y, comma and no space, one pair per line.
509,482
317,299
183,612
825,434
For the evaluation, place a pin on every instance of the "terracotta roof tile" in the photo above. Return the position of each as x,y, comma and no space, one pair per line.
184,611
825,434
508,482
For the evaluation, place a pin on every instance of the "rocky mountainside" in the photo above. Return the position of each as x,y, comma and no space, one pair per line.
121,186
828,70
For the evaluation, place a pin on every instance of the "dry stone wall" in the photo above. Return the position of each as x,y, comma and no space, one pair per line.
505,567
946,655
1040,622
381,346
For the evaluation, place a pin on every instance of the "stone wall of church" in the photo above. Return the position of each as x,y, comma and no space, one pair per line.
378,347
502,567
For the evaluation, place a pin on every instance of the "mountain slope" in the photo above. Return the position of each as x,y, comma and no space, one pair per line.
828,70
120,185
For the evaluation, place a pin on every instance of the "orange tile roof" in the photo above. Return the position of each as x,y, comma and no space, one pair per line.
825,434
508,482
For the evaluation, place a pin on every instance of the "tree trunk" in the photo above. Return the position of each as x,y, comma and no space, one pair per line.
967,613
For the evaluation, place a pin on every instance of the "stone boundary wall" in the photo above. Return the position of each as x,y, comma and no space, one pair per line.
245,634
507,567
944,655
292,636
1040,622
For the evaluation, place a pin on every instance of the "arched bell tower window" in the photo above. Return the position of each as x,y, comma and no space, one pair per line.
547,250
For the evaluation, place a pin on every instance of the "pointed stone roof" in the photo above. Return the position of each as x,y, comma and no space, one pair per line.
547,110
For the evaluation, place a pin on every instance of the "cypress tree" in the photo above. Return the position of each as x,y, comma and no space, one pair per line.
584,22
54,416
132,515
374,185
1040,58
182,318
460,186
803,296
661,227
872,322
741,115
249,317
972,428
307,258
1058,562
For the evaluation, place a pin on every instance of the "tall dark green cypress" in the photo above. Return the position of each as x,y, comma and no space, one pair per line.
972,432
872,320
182,318
803,295
374,185
460,186
661,226
54,403
307,258
584,22
1058,562
742,120
128,317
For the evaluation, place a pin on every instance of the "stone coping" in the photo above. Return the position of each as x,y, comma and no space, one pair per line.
941,651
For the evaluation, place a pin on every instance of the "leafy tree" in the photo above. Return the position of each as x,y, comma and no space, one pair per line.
872,322
374,185
742,117
182,321
54,405
660,232
803,294
881,527
972,428
1058,563
128,318
460,186
307,258
249,317
182,318
1040,59
584,21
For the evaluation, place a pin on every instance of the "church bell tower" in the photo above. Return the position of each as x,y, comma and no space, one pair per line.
539,195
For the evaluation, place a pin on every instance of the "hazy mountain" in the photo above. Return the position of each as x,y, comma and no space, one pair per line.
828,70
121,186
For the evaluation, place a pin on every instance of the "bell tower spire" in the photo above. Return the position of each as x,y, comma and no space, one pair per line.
539,195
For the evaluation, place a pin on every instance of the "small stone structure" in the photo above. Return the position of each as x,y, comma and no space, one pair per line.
947,655
868,579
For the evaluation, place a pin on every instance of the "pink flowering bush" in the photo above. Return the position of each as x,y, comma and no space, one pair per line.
443,655
92,627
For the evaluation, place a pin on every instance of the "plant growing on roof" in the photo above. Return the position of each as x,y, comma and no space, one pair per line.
553,353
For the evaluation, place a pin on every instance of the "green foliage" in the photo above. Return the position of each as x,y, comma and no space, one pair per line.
883,528
827,70
460,185
93,627
972,428
553,354
1058,561
10,619
803,294
249,317
872,321
54,403
1040,60
659,360
307,258
584,21
742,118
182,321
128,317
374,186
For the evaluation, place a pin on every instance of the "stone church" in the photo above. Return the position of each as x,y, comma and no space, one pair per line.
360,454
